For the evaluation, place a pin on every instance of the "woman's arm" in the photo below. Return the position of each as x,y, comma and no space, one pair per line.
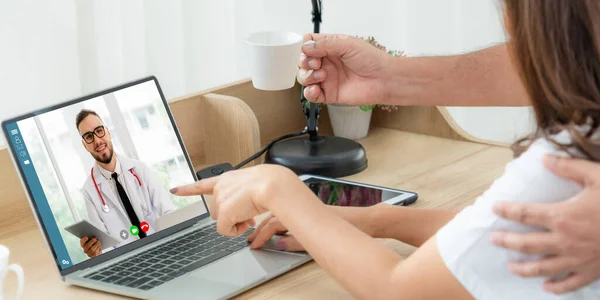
409,225
481,78
364,266
376,271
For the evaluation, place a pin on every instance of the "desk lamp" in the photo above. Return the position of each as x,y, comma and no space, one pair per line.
328,156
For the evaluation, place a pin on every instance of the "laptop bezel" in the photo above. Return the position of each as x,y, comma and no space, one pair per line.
131,246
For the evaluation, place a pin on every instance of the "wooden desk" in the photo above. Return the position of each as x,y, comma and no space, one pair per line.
446,172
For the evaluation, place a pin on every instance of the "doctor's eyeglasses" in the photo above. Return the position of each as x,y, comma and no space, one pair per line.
99,131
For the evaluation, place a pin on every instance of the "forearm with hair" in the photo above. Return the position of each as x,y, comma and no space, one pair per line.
481,78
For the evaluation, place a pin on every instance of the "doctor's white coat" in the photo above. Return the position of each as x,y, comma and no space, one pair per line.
149,201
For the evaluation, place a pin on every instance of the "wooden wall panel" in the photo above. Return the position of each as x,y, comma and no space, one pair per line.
15,212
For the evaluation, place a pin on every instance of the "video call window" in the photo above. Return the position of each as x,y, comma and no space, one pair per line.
140,129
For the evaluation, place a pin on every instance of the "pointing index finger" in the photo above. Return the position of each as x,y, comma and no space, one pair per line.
204,186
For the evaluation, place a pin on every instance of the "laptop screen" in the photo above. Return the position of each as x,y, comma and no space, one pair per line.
103,166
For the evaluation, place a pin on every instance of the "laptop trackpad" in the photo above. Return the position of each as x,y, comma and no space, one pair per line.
246,267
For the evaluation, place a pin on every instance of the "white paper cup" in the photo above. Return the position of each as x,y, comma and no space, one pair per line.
273,59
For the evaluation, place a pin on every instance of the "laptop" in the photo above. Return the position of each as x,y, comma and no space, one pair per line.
168,246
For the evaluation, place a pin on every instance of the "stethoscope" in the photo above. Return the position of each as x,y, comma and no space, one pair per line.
104,205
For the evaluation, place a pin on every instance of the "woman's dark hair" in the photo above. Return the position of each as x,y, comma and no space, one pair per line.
555,46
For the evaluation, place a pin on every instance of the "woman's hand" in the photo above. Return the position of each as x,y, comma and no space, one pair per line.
366,219
345,70
241,195
269,227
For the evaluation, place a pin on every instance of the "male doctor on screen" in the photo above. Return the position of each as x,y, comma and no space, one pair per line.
119,192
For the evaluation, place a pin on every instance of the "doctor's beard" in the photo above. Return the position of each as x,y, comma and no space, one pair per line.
105,158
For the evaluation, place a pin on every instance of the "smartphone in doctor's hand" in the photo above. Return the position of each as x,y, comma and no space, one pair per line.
339,192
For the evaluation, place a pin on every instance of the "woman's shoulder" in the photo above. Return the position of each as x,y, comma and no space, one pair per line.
529,165
560,144
464,242
526,179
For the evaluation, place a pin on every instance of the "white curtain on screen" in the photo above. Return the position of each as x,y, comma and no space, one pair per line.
54,50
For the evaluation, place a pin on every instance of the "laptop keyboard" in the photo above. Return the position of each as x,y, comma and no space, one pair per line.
170,260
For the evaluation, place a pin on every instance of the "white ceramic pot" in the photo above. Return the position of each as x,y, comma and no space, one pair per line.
349,121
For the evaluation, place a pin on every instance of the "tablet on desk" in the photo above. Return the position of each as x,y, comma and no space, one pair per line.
338,192
85,228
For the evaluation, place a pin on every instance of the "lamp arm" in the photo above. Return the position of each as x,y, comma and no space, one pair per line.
313,110
317,9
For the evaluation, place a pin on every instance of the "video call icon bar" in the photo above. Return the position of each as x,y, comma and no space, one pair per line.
20,147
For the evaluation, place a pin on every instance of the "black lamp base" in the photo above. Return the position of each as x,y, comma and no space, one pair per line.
328,156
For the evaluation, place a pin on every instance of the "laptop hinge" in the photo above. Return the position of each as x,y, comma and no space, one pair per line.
203,222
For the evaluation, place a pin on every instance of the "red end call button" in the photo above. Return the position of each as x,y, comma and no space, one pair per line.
144,226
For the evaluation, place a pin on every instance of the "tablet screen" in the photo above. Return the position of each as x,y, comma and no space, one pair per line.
348,194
